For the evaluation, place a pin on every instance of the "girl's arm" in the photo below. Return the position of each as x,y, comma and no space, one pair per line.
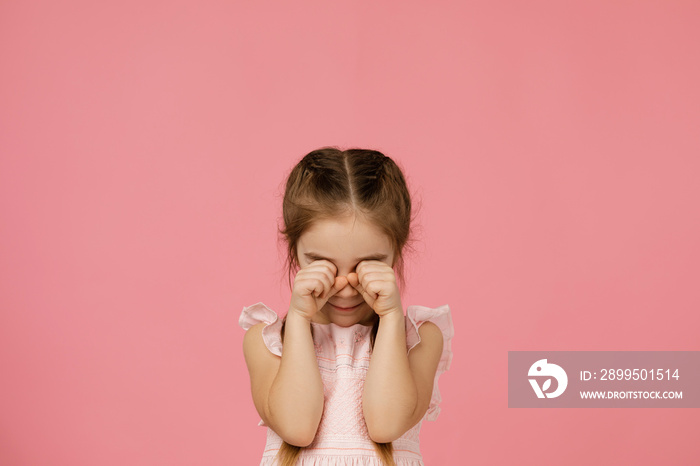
287,391
398,387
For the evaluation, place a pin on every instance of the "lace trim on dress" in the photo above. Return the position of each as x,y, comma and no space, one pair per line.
344,460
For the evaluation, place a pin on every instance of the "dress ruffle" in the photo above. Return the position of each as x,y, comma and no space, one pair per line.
442,317
272,332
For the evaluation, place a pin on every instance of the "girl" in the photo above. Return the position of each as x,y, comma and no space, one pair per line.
345,378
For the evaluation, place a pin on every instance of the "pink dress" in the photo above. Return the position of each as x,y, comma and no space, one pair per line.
343,355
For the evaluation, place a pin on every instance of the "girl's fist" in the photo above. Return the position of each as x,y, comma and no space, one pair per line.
376,282
313,286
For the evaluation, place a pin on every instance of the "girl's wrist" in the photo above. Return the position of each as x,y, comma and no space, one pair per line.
297,316
396,314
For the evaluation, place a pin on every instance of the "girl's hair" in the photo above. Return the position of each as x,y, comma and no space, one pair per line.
328,183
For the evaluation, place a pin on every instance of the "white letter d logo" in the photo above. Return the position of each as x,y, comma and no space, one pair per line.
542,368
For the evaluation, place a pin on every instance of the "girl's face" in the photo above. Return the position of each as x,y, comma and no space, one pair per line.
344,241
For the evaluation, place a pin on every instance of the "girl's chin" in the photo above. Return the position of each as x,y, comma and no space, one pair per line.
361,315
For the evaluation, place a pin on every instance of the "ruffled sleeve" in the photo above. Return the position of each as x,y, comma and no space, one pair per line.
271,333
440,316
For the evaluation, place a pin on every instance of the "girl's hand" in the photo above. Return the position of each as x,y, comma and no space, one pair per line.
376,282
313,286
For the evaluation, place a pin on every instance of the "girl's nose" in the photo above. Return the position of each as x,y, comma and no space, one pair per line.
348,291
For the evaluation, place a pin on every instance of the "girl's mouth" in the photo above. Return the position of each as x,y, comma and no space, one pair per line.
345,309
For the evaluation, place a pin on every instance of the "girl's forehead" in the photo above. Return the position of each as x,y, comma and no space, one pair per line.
344,239
346,225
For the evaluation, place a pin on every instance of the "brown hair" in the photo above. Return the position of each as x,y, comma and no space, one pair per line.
329,182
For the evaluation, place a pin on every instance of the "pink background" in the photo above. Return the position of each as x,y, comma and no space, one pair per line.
553,145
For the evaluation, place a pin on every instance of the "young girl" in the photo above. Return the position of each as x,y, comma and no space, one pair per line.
346,378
